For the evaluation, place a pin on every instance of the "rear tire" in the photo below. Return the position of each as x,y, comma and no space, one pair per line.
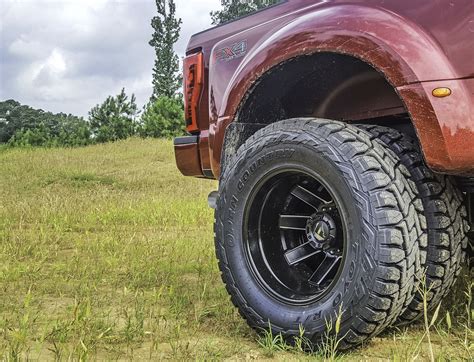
446,218
304,191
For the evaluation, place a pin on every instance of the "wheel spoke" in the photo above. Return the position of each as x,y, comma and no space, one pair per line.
300,253
321,274
293,222
308,197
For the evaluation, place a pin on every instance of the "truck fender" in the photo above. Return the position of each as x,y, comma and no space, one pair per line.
399,49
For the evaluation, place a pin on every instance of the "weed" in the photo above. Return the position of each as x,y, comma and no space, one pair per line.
302,343
332,339
18,336
272,343
468,332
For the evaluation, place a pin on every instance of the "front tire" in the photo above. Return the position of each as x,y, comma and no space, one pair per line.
315,217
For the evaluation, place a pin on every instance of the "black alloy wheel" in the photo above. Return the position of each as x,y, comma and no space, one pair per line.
294,236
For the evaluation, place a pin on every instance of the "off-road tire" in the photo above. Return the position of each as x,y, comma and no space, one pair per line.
378,278
446,217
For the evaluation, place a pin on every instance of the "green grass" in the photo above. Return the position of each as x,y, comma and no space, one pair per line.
107,253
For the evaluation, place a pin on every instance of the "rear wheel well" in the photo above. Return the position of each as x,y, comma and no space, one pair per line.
322,85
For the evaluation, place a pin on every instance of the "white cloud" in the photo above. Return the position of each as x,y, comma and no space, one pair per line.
68,55
55,64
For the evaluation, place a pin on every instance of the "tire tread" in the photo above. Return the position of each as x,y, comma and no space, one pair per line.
446,217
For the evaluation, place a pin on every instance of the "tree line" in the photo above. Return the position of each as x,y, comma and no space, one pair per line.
119,117
115,119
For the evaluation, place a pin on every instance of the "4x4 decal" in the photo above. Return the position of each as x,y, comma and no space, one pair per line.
233,51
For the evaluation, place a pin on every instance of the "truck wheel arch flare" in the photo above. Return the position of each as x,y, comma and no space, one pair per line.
397,49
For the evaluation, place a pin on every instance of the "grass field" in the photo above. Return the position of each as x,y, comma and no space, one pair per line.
107,254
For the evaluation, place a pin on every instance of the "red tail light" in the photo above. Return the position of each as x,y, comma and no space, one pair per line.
193,67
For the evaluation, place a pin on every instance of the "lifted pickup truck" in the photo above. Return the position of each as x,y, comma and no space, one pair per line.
342,134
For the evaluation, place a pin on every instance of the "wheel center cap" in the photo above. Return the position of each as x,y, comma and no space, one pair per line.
321,230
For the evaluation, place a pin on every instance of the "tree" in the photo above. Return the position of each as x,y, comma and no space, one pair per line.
16,117
73,132
163,118
233,9
39,136
166,76
115,119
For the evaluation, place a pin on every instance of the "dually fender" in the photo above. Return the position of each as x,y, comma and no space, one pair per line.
399,49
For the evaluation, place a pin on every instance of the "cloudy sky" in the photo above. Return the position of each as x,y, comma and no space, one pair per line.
68,55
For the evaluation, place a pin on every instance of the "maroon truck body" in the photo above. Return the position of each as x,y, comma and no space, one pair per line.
312,115
416,46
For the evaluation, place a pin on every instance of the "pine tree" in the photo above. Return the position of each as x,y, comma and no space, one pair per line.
115,119
166,76
233,9
163,119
